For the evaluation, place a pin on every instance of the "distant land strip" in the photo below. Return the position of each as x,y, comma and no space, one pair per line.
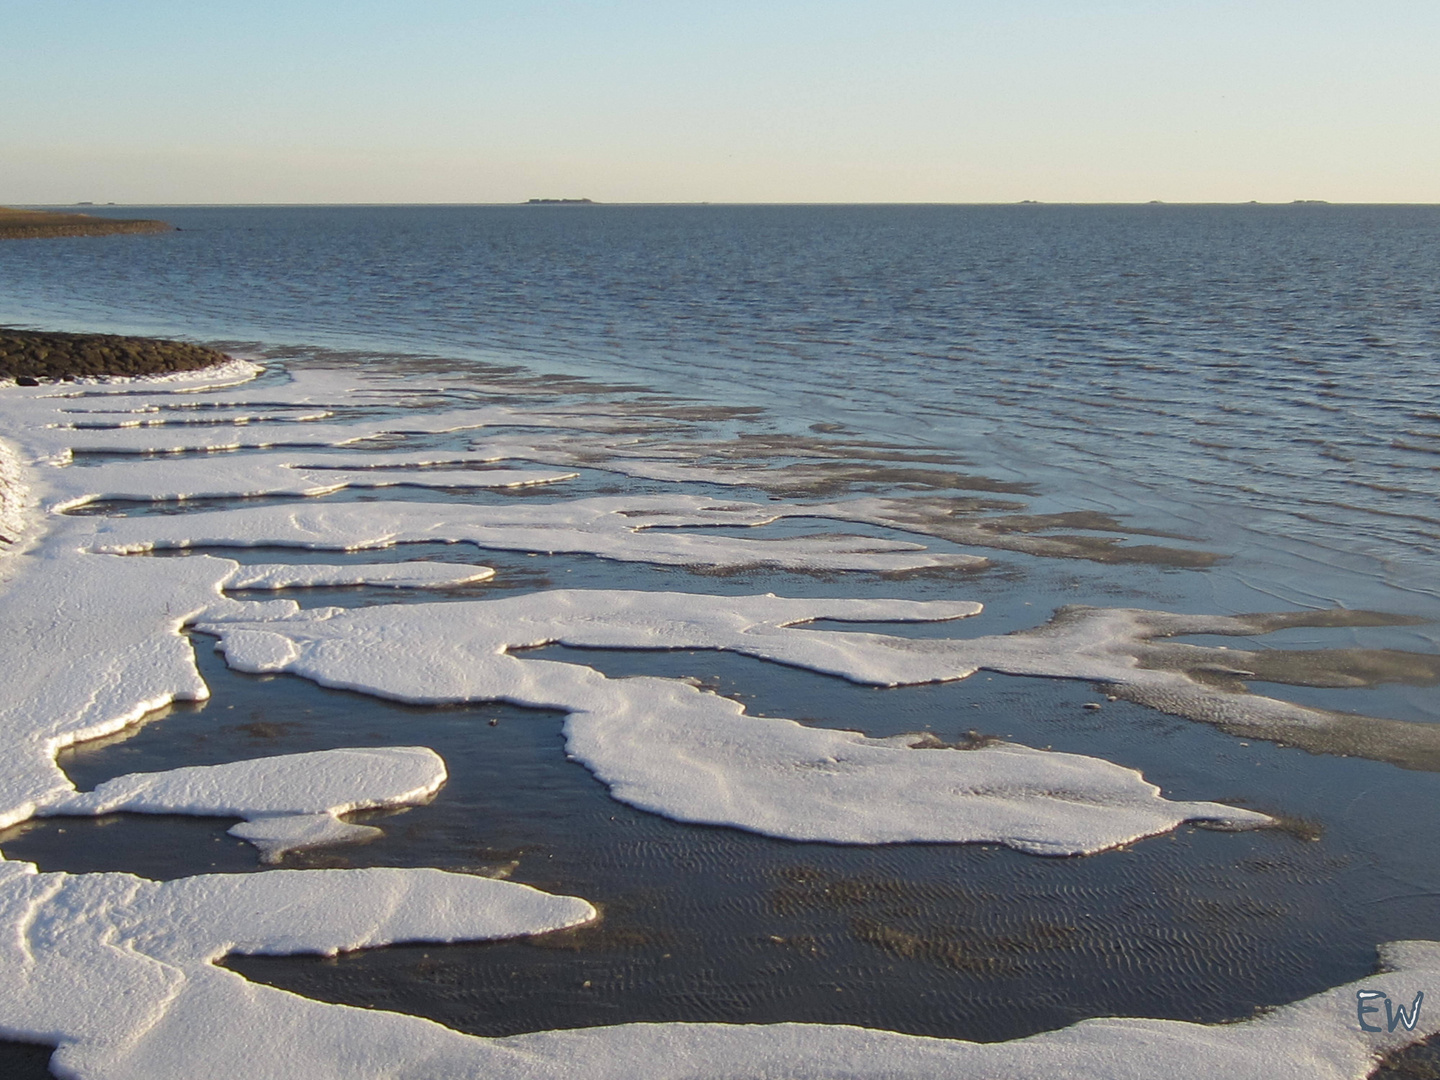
28,356
31,224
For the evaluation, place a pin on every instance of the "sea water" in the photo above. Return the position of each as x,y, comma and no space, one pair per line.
1254,382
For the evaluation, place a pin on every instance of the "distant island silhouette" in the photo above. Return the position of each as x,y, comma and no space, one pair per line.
559,202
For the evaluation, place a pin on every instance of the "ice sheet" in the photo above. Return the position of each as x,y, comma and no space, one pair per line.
247,475
669,748
288,802
654,529
91,644
118,972
402,575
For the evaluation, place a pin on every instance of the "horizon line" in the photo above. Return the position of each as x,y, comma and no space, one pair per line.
579,205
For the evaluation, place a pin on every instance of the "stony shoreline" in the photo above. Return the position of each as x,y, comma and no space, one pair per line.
36,224
29,357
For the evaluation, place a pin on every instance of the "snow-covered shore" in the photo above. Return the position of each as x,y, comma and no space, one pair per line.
119,972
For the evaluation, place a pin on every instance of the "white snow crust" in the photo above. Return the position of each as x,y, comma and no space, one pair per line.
403,575
90,645
14,519
667,747
290,801
118,972
250,475
663,529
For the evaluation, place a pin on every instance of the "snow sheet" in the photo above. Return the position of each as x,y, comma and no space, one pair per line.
664,530
119,973
91,644
249,475
288,802
667,747
403,575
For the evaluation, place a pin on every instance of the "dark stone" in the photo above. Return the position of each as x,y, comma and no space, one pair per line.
29,355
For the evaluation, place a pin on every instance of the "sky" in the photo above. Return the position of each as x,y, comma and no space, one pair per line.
472,101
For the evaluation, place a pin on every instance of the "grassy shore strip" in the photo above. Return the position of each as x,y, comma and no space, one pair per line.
28,356
30,224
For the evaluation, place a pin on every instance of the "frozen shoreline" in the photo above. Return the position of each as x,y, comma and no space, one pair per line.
14,519
120,655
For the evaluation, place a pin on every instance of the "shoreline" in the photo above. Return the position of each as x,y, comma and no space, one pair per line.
162,599
41,224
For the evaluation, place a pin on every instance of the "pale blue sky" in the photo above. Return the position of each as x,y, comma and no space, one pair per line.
909,101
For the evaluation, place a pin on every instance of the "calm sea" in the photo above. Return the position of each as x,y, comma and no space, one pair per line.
1261,382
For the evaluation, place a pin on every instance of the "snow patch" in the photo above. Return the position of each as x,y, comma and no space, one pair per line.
667,747
404,575
119,973
14,495
663,530
288,802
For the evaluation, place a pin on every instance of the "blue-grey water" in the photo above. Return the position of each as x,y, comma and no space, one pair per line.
1261,382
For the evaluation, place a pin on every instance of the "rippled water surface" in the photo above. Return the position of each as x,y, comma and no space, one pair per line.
1260,382
1259,376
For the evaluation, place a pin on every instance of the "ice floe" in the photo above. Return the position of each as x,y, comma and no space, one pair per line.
119,971
119,974
401,575
670,748
288,802
183,438
247,475
1116,647
92,644
664,530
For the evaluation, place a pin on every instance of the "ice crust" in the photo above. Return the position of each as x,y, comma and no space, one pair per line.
91,644
118,973
404,575
290,801
251,475
668,747
661,529
13,494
